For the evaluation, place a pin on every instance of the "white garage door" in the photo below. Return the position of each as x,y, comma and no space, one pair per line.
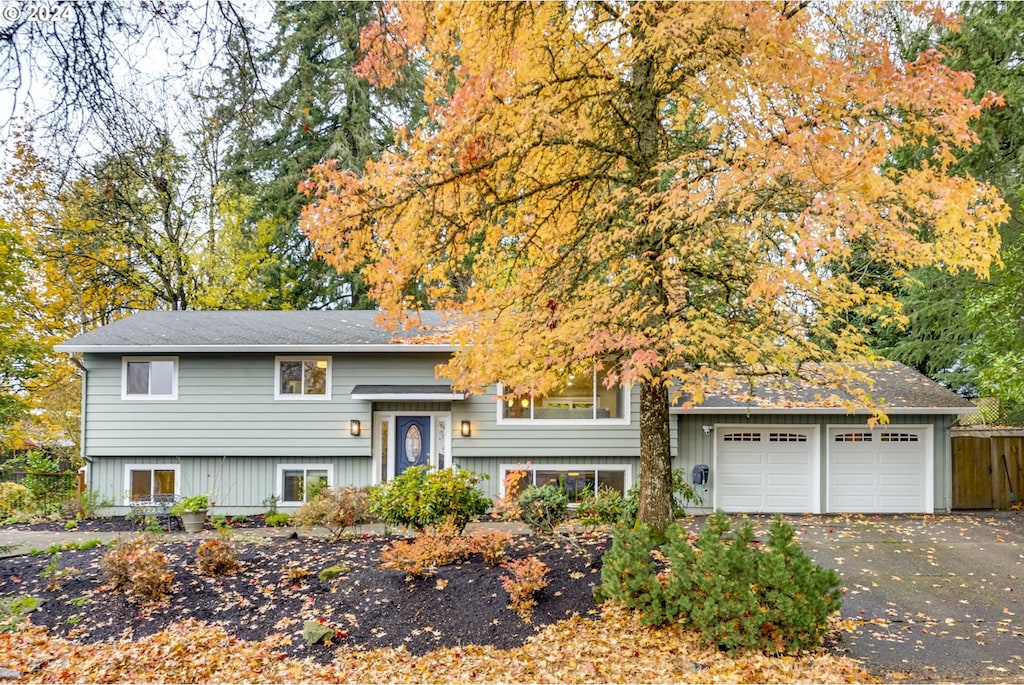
879,471
766,469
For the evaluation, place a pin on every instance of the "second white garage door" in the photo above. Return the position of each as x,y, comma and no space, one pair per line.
881,471
770,469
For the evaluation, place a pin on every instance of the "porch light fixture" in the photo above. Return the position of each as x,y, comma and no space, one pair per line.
354,427
465,429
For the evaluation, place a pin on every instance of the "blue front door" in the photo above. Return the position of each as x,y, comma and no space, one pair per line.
412,442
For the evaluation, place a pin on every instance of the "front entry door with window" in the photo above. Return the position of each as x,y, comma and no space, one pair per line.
412,442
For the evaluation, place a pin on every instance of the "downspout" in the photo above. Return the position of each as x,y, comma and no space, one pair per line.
81,427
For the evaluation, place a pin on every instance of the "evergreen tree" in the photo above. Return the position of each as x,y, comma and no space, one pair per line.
318,109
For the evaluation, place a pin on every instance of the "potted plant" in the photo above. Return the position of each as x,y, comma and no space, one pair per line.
192,512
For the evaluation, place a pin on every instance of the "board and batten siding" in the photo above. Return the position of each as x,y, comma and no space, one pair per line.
235,484
695,447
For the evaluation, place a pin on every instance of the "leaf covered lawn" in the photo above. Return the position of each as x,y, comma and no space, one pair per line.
608,646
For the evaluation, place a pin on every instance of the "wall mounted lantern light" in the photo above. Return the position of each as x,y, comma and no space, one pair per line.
466,430
354,427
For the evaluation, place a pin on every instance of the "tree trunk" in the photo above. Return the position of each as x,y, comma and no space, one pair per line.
655,457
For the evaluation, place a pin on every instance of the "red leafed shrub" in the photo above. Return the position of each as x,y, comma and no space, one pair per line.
527,579
491,545
137,568
217,557
422,555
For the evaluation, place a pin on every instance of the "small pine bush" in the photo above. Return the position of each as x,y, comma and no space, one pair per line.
336,509
543,507
738,595
137,568
420,498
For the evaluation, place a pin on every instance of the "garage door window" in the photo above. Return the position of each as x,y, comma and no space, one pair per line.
742,437
853,437
899,437
787,437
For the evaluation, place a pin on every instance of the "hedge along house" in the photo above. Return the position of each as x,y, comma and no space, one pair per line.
250,405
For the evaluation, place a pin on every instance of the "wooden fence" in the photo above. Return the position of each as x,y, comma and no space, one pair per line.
988,468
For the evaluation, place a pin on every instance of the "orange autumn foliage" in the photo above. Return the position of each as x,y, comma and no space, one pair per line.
689,193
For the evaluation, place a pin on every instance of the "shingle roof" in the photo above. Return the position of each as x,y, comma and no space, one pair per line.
903,389
899,388
225,331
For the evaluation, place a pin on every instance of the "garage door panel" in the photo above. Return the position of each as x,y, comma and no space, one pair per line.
765,470
879,472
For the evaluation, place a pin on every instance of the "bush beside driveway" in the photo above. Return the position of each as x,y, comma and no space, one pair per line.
926,597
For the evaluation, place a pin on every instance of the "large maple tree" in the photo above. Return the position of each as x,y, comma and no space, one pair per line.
677,192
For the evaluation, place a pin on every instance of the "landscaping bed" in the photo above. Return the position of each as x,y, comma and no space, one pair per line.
370,608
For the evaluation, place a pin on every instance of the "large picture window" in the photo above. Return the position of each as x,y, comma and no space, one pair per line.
583,397
299,483
576,481
307,378
149,378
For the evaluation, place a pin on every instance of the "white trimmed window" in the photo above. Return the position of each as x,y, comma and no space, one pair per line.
582,398
298,483
577,481
150,482
149,378
302,378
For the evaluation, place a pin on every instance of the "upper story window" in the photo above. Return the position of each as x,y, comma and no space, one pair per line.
304,378
149,378
583,397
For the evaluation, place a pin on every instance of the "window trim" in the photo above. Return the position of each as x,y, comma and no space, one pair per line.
326,396
279,480
125,395
128,468
625,468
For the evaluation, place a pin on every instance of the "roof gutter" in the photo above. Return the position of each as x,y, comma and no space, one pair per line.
753,411
291,349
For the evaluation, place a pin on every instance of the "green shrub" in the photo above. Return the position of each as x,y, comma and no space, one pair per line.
277,519
15,499
682,494
336,509
543,507
420,498
738,595
605,508
14,610
332,572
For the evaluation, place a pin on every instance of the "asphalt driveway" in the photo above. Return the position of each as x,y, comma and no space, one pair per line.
927,597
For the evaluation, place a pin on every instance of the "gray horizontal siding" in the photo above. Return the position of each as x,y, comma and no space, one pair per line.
226,407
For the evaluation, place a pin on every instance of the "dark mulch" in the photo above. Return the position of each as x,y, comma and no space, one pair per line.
126,524
372,608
